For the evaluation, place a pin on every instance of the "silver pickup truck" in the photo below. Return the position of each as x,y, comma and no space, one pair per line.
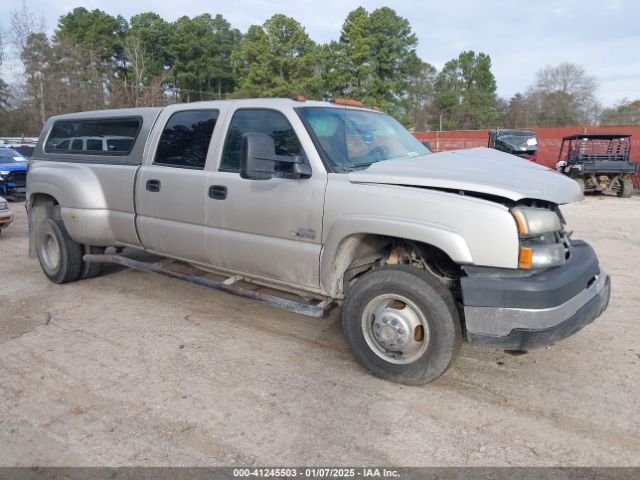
334,202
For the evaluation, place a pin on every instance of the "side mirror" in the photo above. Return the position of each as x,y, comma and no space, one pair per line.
257,154
258,159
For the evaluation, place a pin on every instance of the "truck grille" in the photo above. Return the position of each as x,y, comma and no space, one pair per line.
19,178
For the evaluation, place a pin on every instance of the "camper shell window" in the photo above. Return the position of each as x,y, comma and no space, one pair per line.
107,136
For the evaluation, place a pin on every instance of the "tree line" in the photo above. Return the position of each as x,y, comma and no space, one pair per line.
94,60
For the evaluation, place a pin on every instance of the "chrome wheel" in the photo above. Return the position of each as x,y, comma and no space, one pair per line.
50,251
395,329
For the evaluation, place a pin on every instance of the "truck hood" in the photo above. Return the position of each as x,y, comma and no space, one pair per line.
480,170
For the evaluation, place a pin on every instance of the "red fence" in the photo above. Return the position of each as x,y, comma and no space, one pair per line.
549,140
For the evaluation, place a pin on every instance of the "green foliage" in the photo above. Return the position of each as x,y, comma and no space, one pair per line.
375,61
201,50
518,113
154,36
95,31
419,99
277,59
624,113
37,53
555,108
95,60
466,92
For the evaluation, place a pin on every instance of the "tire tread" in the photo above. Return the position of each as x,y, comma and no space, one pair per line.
424,289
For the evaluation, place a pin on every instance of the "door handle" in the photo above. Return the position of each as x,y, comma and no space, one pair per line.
218,192
153,185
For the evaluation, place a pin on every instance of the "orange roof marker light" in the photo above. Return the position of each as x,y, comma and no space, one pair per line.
299,98
346,101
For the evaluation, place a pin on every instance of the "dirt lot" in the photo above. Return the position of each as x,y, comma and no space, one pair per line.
132,368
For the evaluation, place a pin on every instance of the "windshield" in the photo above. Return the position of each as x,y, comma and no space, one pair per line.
11,156
354,139
520,141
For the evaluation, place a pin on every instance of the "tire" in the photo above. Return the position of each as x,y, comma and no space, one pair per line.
60,256
90,270
427,325
626,187
580,182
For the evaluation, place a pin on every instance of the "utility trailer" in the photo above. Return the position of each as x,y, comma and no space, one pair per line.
599,162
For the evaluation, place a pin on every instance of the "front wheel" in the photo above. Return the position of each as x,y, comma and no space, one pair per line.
402,325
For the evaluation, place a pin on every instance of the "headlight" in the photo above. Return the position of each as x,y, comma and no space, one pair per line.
536,221
540,245
3,205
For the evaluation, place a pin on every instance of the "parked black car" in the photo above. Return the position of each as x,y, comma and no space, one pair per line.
522,143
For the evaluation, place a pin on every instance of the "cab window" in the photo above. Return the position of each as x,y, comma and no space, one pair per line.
269,122
185,139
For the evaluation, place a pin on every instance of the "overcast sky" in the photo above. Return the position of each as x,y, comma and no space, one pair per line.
520,36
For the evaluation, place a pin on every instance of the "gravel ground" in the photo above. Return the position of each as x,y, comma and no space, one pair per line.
133,368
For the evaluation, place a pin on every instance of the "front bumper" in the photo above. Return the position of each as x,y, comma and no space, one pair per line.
14,184
526,312
13,188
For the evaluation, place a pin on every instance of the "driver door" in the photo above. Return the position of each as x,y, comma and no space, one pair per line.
270,228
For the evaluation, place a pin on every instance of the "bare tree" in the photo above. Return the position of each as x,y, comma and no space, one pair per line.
568,78
1,48
568,91
36,57
136,87
134,52
4,88
23,24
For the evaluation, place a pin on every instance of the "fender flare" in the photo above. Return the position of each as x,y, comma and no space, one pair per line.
346,233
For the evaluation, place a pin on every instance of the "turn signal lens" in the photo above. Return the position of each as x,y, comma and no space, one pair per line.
525,259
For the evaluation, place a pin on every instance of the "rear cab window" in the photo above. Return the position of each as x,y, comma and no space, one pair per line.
185,139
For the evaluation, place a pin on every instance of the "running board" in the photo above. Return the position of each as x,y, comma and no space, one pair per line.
282,303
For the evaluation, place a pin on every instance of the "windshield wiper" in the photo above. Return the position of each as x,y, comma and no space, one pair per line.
363,164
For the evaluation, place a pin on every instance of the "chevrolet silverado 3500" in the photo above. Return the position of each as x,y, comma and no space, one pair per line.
337,203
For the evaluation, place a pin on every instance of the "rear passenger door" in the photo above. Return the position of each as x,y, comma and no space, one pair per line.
171,186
